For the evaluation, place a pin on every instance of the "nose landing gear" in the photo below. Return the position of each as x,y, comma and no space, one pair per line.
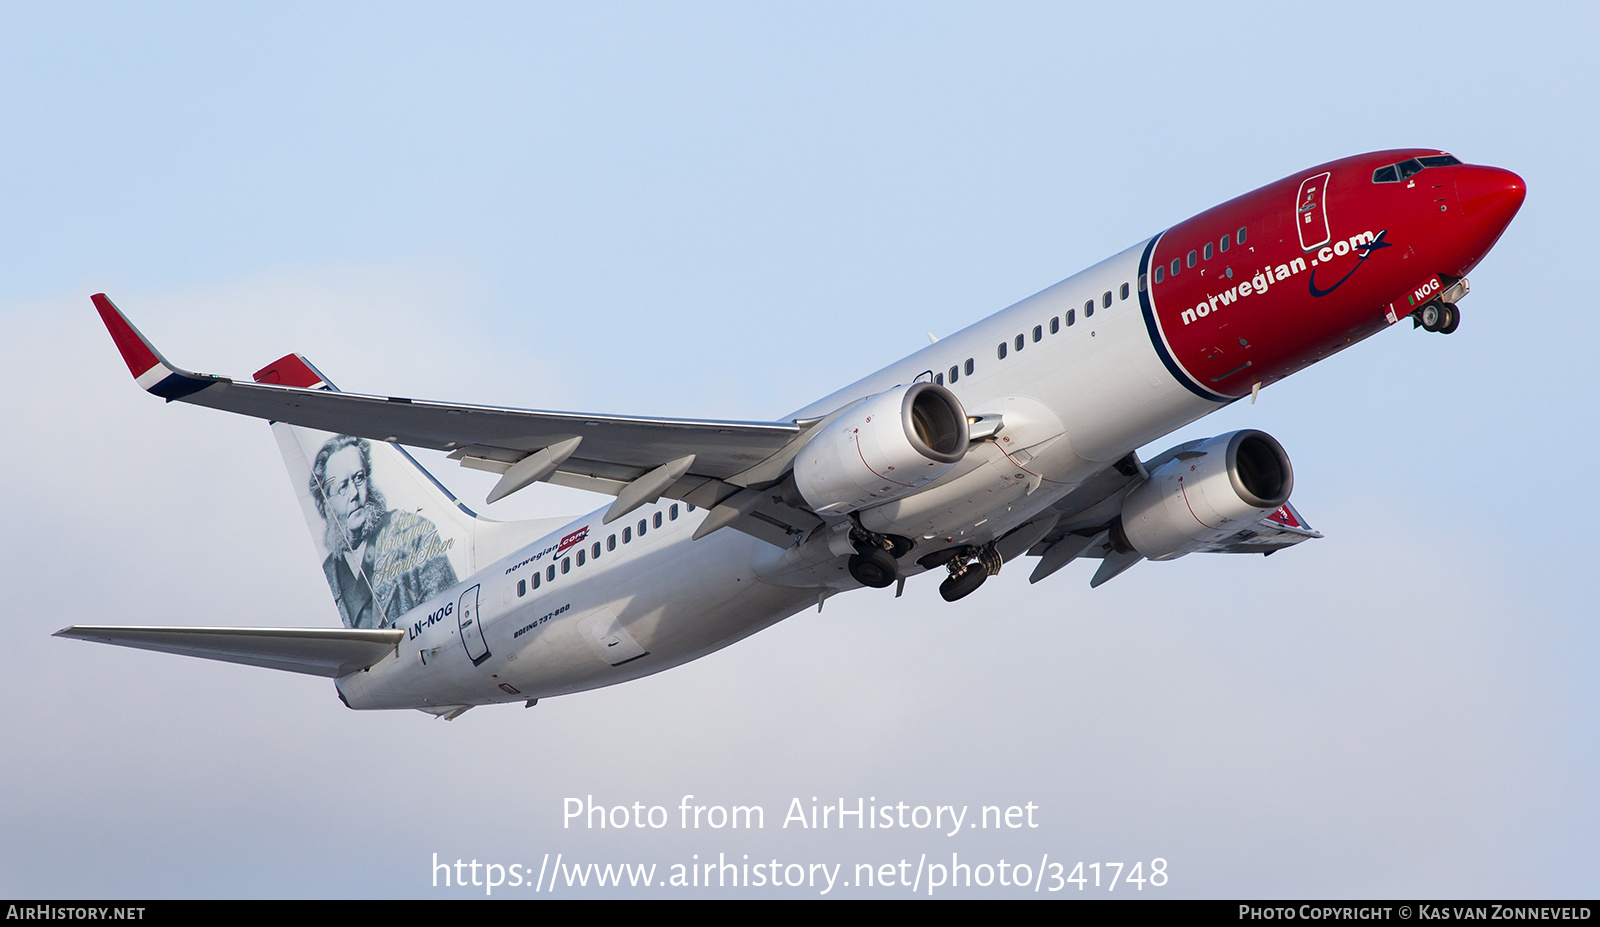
1437,316
1440,313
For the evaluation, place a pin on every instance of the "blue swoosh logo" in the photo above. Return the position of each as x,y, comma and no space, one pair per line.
1367,250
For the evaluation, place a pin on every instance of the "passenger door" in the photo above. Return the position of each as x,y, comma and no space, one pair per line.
1311,212
470,623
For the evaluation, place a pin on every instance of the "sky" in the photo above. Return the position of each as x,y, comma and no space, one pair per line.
728,211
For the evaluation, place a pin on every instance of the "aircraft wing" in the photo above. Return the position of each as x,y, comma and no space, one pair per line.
704,462
330,652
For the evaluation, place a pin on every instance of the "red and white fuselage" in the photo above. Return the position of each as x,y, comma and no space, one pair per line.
1074,378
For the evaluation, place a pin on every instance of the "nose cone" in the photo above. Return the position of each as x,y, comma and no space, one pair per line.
1489,198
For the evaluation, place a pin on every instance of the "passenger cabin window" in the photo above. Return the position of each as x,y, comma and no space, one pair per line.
627,535
1240,236
1072,316
611,542
967,368
1175,267
1143,283
566,565
522,587
938,378
1038,332
594,552
1055,324
1225,241
1105,300
536,579
1020,342
1001,351
656,521
580,556
672,512
550,574
1125,289
641,527
955,374
1159,274
1190,260
1207,252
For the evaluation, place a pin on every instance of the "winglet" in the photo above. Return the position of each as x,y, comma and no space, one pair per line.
137,351
1287,516
150,370
294,370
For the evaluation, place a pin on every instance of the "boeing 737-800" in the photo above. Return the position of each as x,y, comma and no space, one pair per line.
1014,436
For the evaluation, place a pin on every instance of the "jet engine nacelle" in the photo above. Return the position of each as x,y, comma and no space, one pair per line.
1207,493
888,445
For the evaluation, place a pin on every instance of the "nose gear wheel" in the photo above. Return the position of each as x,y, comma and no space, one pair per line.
1437,316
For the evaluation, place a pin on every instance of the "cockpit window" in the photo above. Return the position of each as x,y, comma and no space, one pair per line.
1394,173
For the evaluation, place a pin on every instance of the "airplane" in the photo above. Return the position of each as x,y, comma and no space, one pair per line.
1015,436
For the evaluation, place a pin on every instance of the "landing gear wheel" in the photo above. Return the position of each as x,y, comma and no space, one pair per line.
875,568
1432,316
899,546
1452,319
964,584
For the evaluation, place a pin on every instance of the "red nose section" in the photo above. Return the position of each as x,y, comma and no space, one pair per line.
1489,198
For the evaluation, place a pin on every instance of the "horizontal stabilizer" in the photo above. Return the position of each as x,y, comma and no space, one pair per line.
330,652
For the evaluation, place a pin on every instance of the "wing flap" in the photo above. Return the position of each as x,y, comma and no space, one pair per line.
330,652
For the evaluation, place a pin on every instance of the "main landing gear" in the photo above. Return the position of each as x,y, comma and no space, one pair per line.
874,567
874,561
1437,316
969,566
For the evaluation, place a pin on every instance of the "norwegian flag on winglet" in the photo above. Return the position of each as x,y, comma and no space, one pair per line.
1286,516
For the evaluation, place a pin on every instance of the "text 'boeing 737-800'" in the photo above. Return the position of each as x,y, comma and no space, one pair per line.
1015,436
